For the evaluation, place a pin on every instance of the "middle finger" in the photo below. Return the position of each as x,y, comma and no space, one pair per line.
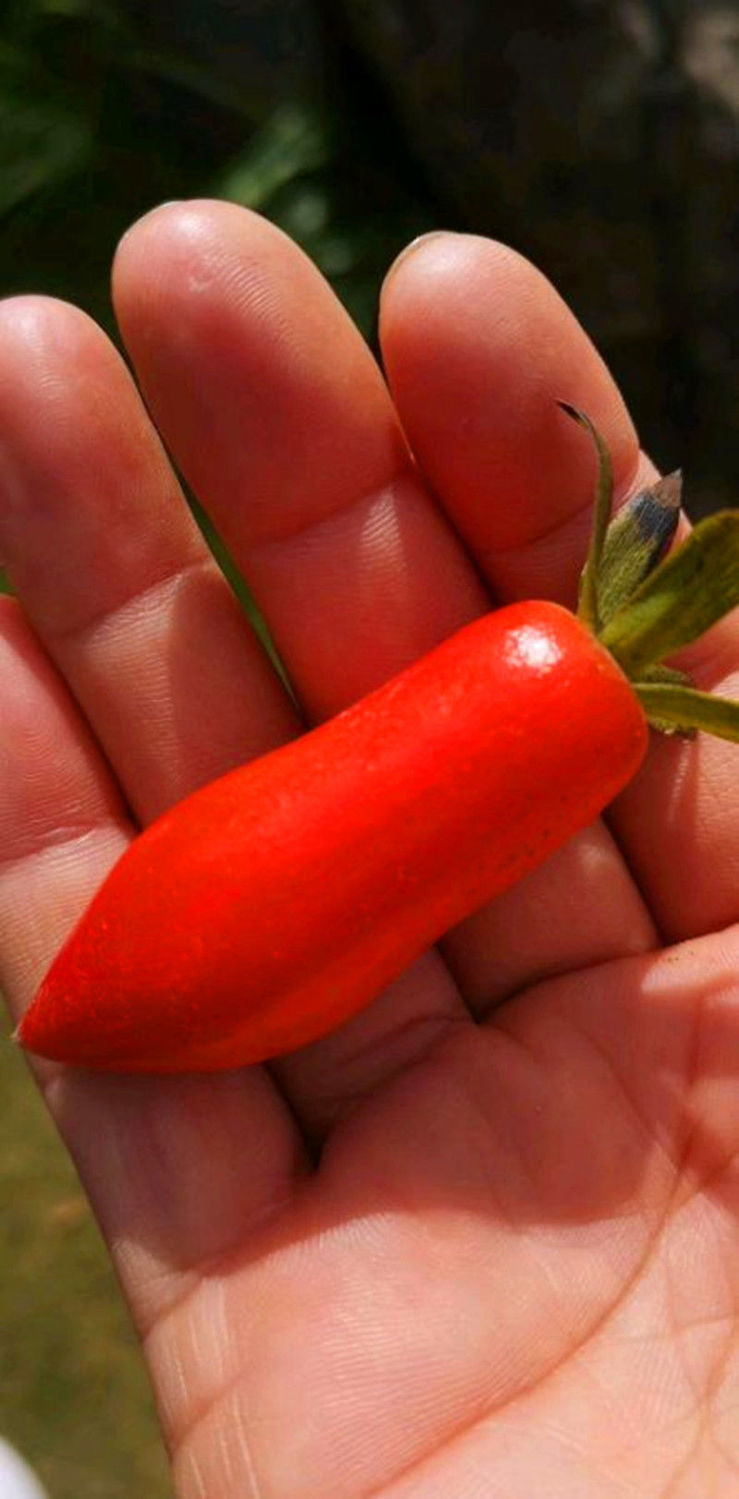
280,420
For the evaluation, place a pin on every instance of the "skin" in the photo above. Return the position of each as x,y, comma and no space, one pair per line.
483,1240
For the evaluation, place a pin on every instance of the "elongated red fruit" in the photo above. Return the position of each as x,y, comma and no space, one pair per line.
275,902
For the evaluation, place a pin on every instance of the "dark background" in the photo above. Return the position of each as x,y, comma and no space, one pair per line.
598,136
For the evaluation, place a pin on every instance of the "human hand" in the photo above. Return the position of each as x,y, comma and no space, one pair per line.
483,1240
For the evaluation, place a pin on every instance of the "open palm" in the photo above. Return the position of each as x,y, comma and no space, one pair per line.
484,1240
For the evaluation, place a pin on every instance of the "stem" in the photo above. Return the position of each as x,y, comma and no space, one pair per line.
588,609
642,612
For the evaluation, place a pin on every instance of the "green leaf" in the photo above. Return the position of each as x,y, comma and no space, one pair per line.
636,540
669,675
588,602
666,674
682,710
660,673
690,590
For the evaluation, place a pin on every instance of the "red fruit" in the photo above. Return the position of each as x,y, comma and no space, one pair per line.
279,900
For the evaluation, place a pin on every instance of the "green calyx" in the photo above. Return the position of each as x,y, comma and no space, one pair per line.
644,601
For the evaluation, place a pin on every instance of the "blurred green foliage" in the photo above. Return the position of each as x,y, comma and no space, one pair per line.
98,125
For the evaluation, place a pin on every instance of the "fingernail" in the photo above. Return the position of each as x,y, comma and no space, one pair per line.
421,239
